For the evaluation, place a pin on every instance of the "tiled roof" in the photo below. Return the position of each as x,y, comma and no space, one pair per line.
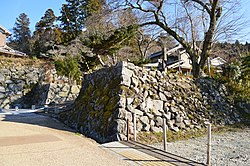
4,30
9,51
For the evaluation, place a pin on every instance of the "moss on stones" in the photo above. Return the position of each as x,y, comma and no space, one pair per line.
96,103
128,92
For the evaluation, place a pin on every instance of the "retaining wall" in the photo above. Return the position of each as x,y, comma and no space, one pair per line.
111,95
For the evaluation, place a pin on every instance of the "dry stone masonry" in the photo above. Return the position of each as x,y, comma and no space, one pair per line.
32,83
111,95
48,94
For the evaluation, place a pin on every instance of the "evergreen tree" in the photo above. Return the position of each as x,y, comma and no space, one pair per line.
108,45
46,33
74,14
22,34
47,22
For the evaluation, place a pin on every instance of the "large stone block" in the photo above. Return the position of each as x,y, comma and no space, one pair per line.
2,95
122,102
144,120
121,126
167,115
2,78
138,112
75,89
134,81
139,126
125,80
8,81
121,113
127,72
2,89
154,104
162,96
129,100
130,108
178,118
159,121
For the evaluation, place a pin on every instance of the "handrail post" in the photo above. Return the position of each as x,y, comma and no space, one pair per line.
209,145
128,130
164,134
135,127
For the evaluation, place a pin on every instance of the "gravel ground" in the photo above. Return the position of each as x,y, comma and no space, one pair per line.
230,148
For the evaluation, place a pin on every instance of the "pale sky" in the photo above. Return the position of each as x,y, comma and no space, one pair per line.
35,9
10,10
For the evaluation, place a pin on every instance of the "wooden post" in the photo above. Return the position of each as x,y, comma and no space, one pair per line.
209,66
134,126
164,62
164,134
128,130
209,145
179,60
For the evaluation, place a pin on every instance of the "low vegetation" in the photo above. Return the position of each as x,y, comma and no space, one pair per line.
69,67
9,61
236,76
151,138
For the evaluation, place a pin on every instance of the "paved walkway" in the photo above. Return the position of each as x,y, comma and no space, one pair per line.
35,140
147,155
134,155
29,139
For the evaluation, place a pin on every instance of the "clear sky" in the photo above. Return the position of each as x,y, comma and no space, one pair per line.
245,7
10,10
35,9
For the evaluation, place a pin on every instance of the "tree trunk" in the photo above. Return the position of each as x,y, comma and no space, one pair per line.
195,70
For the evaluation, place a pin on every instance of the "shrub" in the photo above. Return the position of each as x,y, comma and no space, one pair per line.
236,77
70,68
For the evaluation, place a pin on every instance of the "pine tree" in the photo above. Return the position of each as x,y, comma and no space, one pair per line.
22,34
110,44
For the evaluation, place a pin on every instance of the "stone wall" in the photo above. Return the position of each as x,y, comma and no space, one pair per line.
95,110
48,94
19,78
111,95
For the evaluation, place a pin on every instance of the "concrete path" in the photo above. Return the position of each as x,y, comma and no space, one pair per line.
35,140
133,155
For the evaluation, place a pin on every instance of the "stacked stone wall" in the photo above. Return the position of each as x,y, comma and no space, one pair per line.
110,96
19,78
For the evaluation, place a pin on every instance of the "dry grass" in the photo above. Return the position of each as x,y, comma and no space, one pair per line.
10,61
150,137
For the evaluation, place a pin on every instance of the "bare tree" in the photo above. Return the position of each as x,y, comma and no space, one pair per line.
146,39
189,22
231,23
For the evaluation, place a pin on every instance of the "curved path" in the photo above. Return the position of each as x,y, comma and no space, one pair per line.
35,140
